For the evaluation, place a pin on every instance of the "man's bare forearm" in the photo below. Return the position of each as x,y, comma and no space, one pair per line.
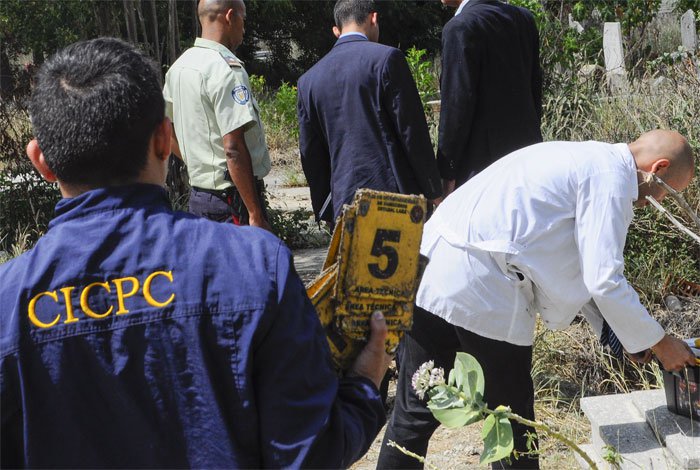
240,167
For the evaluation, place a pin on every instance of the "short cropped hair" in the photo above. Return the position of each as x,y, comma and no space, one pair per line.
352,11
94,108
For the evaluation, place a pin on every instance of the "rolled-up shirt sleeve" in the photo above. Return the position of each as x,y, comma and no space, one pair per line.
308,417
603,215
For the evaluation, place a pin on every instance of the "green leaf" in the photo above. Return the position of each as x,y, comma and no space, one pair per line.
498,439
445,396
455,417
469,377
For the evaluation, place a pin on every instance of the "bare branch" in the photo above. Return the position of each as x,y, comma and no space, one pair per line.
679,199
675,221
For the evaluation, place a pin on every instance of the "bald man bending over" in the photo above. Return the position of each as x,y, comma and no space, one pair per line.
218,132
540,231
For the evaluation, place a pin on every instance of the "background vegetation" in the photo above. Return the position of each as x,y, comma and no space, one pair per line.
577,106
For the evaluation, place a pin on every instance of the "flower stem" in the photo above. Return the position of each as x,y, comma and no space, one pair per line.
405,451
543,427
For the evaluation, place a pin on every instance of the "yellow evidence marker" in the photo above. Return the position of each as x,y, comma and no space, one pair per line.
373,263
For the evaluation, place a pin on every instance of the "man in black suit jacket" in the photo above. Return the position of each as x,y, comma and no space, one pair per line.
361,122
491,87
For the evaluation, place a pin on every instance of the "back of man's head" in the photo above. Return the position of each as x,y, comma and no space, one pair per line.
94,108
352,11
209,10
665,144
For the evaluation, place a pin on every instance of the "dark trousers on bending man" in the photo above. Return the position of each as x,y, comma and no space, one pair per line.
225,205
507,377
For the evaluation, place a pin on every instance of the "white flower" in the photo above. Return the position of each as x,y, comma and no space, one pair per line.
437,377
426,377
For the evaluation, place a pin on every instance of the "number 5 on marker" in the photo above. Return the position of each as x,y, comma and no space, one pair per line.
385,247
380,248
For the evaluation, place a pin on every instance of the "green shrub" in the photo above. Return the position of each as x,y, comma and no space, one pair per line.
423,74
285,108
278,111
27,202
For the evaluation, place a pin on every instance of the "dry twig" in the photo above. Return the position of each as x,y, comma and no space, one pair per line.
679,199
675,221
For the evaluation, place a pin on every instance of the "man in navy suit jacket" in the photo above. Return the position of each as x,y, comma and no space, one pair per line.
361,121
491,87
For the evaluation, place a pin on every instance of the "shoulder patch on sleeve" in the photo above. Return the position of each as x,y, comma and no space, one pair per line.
241,94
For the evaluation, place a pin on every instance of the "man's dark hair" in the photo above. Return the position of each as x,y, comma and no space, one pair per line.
352,11
94,108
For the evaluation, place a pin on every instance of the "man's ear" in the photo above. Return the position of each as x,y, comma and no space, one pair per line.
660,164
161,139
36,156
373,18
229,15
336,31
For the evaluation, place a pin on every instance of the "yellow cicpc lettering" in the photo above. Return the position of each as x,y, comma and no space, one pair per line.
70,318
32,310
84,301
147,289
119,286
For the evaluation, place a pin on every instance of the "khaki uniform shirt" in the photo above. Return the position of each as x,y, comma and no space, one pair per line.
207,95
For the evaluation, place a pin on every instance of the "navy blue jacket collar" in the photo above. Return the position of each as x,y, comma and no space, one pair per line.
110,198
351,38
473,3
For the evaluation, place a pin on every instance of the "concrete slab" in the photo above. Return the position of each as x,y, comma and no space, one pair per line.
308,262
681,435
593,454
616,421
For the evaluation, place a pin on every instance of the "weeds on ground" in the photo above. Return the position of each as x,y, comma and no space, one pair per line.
297,228
293,178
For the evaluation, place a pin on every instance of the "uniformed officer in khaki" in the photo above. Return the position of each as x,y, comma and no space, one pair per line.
218,132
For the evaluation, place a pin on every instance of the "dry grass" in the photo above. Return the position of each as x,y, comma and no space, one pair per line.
577,111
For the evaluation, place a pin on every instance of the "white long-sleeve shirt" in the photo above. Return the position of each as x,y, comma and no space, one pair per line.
542,230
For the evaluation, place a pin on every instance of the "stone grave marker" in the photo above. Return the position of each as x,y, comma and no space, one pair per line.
616,75
689,37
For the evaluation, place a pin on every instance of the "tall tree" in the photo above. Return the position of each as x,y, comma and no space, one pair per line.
129,21
173,37
142,23
156,37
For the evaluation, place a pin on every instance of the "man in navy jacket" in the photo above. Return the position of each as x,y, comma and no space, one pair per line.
491,87
132,335
361,120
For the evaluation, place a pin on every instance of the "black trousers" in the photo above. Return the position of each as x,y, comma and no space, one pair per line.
226,205
506,373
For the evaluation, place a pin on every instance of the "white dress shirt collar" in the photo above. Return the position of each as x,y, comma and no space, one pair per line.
352,33
461,7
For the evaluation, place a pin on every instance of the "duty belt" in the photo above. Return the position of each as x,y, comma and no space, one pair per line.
231,190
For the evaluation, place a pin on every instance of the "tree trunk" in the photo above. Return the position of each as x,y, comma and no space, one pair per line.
172,31
156,36
130,21
104,13
142,23
5,74
195,19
